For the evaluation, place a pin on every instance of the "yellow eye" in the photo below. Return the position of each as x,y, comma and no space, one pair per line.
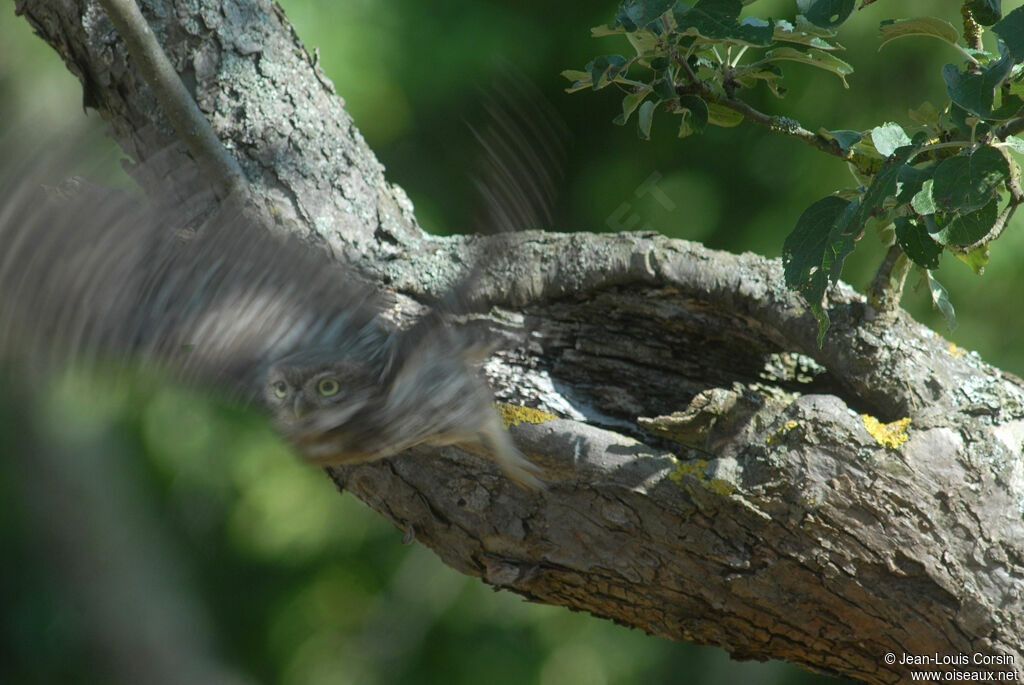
280,389
328,387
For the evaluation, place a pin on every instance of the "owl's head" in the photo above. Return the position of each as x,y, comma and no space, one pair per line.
309,398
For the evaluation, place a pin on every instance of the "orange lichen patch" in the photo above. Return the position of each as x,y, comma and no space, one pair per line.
513,415
890,435
697,469
777,435
955,351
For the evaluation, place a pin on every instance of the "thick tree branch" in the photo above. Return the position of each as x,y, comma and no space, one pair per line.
711,477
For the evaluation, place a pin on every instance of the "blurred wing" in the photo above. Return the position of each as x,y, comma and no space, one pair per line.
522,151
92,273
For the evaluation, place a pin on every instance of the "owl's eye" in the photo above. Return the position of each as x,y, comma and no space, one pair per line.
280,389
328,387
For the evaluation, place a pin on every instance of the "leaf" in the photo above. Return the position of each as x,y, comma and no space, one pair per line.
580,79
784,32
804,249
965,229
1016,144
976,259
637,14
665,88
1008,109
723,116
940,300
912,180
985,12
883,186
966,183
846,139
974,92
604,69
602,31
887,137
643,41
817,58
925,114
718,20
917,244
812,260
920,26
769,73
629,105
825,13
1011,31
644,118
694,115
923,203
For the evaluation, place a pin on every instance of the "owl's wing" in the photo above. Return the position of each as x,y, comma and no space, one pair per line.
519,169
91,273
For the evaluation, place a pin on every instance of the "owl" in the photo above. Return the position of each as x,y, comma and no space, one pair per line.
231,305
338,411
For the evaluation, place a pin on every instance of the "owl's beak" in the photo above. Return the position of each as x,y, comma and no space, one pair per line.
298,408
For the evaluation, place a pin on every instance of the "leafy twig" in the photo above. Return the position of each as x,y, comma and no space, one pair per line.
784,125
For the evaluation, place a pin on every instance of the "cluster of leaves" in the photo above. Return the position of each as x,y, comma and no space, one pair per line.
938,188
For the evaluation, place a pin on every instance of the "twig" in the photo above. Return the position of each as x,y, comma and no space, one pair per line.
216,164
886,287
784,125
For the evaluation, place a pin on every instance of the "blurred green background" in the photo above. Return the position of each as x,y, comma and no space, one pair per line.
144,491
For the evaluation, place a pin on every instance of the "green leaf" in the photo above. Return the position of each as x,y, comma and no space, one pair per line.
660,62
784,32
693,114
1011,31
723,116
912,180
644,118
817,58
1016,144
769,73
629,105
976,259
925,114
985,12
920,26
805,246
580,79
665,88
965,229
815,260
846,139
718,20
604,69
602,31
940,300
923,203
887,137
804,252
917,244
883,186
637,14
1009,107
643,41
966,183
974,92
825,13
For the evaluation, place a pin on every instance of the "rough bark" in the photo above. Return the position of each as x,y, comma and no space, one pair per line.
712,473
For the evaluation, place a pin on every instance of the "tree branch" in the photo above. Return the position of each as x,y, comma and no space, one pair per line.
711,477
